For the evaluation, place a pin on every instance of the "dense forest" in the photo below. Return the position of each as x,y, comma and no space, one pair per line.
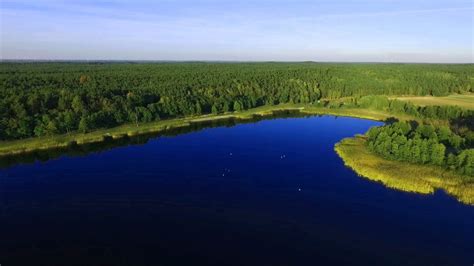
424,144
38,99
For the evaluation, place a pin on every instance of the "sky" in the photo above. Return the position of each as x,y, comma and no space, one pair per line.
239,30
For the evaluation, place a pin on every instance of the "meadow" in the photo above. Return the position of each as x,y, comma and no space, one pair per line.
461,100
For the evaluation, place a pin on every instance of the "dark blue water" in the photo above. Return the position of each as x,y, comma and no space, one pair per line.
268,193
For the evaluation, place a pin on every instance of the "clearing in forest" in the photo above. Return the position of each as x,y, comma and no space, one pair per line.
461,100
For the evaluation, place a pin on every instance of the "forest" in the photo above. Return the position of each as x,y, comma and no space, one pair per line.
49,98
423,144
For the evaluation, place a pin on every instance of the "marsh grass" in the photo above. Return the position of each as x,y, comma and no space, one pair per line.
424,179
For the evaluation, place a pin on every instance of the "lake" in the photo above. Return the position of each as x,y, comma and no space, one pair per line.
271,192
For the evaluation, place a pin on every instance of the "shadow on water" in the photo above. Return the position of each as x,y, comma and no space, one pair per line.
110,143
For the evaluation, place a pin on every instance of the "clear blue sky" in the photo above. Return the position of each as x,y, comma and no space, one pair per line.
290,30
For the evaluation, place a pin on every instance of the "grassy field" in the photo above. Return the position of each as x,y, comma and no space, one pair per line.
461,100
424,179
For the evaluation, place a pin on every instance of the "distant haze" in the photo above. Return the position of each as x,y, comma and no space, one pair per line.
241,30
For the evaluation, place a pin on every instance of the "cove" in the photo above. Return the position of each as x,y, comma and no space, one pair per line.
269,192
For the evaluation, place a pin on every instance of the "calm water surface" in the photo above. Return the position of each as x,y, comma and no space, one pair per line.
267,193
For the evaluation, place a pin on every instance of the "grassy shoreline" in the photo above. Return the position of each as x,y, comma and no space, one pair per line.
423,179
17,147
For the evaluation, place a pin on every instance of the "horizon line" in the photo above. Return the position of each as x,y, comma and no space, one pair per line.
219,61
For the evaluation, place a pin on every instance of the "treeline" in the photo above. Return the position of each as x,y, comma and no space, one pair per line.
422,144
461,120
38,99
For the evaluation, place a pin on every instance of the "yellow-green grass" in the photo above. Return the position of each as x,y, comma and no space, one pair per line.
424,179
462,100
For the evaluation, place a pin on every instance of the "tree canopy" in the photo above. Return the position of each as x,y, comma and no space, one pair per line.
424,144
38,99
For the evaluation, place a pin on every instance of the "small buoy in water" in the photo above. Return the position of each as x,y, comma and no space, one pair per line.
299,189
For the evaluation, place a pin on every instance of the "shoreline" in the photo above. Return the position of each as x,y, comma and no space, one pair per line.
403,176
25,146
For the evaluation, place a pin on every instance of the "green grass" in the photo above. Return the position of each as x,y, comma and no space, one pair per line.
424,179
461,100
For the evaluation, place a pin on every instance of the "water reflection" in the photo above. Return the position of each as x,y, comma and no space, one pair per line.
74,150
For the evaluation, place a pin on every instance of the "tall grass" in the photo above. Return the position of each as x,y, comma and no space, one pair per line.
424,179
